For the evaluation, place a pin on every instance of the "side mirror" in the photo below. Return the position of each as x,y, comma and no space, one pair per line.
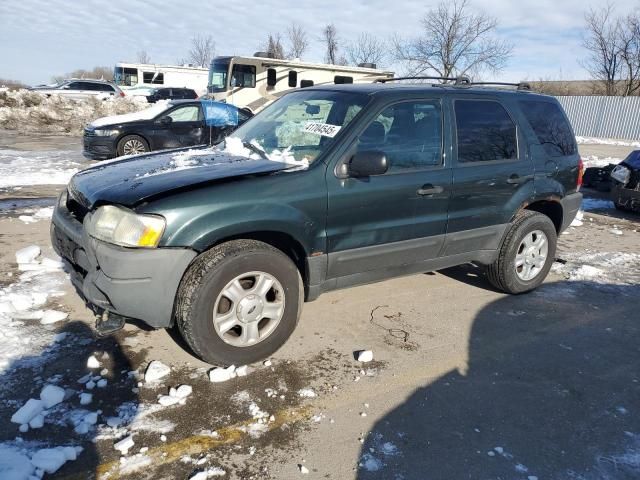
368,163
166,120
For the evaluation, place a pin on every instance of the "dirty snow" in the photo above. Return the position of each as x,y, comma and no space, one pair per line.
607,268
30,111
19,168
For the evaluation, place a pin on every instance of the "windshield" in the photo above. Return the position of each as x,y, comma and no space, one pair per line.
125,76
301,125
218,76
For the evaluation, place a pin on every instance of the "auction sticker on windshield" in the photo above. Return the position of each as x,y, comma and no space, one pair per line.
324,129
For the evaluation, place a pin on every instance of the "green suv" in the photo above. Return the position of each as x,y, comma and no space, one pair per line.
326,188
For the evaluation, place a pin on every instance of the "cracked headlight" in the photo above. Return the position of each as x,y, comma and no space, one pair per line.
105,133
125,228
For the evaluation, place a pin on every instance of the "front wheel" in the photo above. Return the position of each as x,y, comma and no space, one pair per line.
526,254
239,302
132,145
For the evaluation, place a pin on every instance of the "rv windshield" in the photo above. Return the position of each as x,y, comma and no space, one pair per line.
218,76
125,76
300,125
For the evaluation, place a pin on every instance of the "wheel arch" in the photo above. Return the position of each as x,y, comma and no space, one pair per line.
550,207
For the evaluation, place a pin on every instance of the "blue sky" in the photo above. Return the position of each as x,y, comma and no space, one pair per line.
42,38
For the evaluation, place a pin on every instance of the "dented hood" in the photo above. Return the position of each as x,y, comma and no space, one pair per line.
131,181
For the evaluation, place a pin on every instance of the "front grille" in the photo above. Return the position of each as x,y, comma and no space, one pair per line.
89,132
76,209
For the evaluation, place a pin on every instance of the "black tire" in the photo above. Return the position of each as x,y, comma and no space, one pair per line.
127,138
205,279
502,273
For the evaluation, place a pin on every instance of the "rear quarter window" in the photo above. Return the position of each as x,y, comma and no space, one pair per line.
550,126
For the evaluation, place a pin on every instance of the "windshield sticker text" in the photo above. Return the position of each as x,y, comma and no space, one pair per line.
324,129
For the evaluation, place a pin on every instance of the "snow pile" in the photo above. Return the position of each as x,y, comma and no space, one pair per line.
22,301
379,451
217,375
176,395
26,110
18,168
607,268
606,141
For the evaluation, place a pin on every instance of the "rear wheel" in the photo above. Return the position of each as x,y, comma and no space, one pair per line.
239,302
132,145
526,254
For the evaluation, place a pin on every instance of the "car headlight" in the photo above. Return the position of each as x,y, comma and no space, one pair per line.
125,228
104,133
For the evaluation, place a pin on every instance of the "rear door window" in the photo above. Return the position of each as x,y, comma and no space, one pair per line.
550,126
485,132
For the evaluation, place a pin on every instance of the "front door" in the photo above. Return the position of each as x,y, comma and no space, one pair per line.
185,129
400,217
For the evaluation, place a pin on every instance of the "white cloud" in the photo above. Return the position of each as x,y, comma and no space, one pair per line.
41,38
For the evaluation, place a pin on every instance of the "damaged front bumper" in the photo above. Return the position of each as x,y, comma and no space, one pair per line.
626,198
130,282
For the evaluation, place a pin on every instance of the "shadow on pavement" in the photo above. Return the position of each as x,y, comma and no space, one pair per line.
62,364
551,392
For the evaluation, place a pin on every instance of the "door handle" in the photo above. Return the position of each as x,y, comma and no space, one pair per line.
516,179
428,190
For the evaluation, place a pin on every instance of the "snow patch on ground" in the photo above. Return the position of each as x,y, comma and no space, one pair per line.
19,168
606,141
595,161
21,302
605,268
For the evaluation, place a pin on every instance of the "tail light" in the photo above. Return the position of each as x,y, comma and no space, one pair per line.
580,173
122,95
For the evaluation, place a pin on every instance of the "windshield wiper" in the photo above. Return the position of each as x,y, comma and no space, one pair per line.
255,149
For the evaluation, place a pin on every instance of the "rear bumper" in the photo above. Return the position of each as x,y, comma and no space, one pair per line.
99,148
570,206
135,283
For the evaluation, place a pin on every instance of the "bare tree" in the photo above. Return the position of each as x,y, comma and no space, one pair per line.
202,50
330,39
629,47
366,49
97,73
602,42
454,41
298,41
143,57
273,46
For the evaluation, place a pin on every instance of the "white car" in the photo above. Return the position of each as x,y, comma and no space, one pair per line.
81,89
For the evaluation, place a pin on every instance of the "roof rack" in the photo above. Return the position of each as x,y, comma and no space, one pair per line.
462,80
519,86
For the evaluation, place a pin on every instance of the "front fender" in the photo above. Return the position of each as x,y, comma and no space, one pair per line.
205,230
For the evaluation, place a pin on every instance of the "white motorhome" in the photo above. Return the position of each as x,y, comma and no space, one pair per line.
140,78
254,82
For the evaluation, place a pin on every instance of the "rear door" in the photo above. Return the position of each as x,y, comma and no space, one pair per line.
398,218
492,175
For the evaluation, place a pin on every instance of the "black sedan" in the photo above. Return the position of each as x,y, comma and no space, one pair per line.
174,124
